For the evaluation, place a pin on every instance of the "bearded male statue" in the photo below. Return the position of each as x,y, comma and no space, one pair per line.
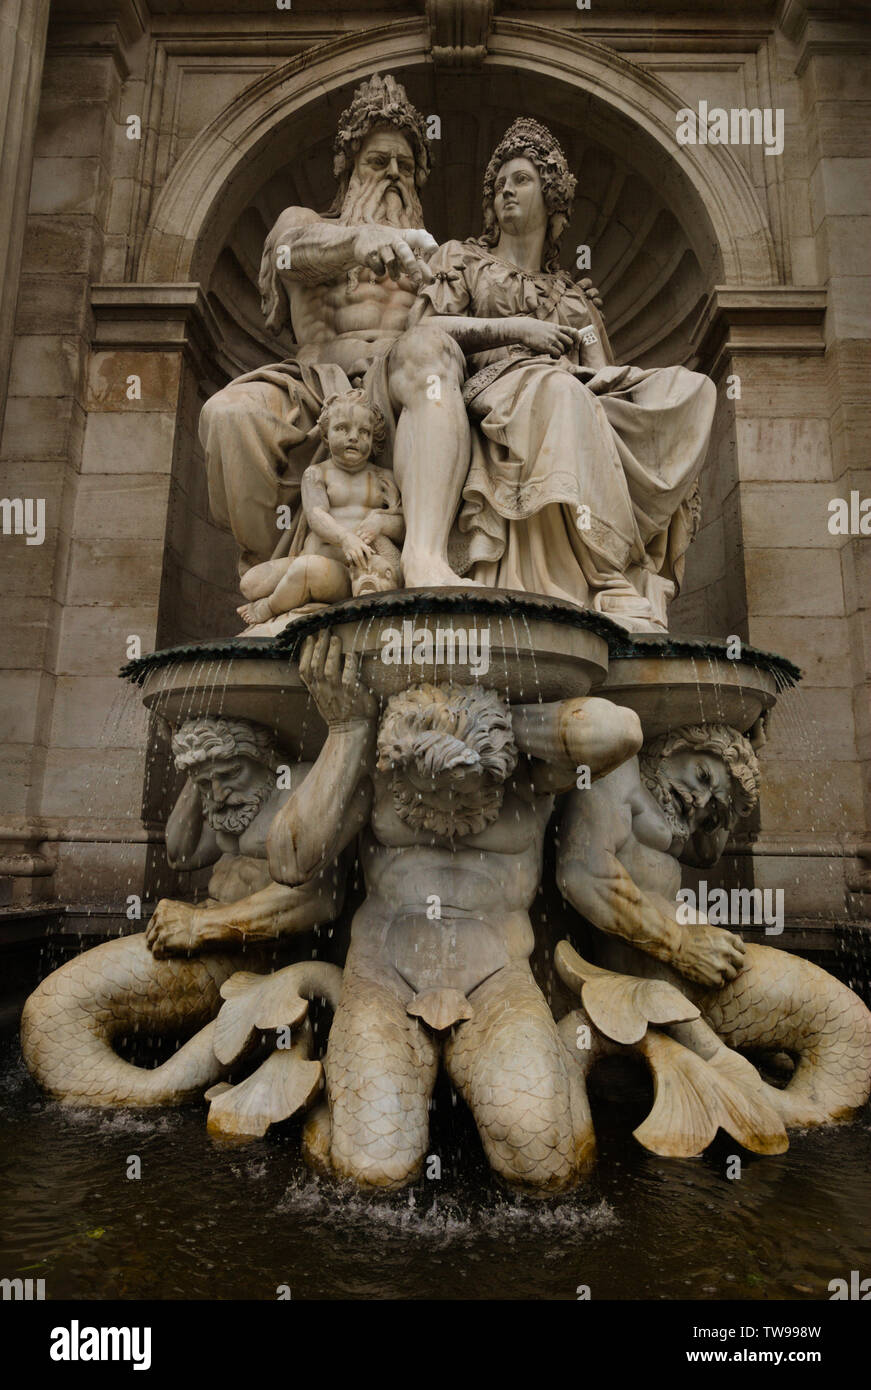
450,792
345,283
222,818
621,843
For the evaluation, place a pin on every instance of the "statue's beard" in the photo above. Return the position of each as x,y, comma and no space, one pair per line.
392,203
236,817
468,813
662,792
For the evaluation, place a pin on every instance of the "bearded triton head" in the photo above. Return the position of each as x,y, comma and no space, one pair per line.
233,764
704,777
450,750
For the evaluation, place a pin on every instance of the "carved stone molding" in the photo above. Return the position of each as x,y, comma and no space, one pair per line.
22,41
822,28
152,318
779,319
459,30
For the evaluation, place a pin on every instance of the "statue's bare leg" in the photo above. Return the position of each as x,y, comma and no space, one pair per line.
307,579
380,1068
432,448
511,1067
261,580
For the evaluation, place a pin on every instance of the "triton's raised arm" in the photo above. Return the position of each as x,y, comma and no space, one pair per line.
332,805
569,735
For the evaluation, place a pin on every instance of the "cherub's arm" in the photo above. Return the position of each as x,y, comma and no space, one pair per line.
316,505
332,804
569,735
596,825
318,513
191,843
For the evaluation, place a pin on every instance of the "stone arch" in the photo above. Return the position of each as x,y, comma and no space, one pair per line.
224,165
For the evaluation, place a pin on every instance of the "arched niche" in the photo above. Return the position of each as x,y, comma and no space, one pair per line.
664,223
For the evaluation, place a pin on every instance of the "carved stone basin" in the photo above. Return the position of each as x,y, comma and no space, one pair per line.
669,682
525,648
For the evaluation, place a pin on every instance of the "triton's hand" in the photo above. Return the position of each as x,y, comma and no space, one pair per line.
337,691
173,930
709,955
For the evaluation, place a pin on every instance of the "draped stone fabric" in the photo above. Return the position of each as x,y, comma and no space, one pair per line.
580,482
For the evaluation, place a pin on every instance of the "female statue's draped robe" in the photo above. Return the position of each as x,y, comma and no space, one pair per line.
581,480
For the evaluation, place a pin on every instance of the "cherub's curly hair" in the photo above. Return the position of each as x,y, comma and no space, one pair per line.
723,742
200,740
381,101
529,139
446,728
356,397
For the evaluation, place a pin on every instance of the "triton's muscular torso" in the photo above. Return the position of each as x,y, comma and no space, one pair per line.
352,315
462,939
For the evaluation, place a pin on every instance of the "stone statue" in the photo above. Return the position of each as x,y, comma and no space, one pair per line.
570,477
582,475
451,792
346,283
353,516
222,817
620,843
135,983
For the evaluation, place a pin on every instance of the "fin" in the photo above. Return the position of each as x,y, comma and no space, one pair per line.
249,1001
286,1082
214,1091
694,1098
259,1003
621,1006
440,1009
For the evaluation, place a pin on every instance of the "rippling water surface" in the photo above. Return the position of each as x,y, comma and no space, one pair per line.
211,1221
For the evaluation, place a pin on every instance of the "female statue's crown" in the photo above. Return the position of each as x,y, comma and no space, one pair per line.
529,139
380,101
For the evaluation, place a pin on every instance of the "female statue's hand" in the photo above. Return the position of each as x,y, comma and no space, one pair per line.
550,339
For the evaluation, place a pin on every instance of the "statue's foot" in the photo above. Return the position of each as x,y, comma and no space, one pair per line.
257,612
422,570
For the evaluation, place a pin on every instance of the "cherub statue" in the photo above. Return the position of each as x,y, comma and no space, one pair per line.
353,516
